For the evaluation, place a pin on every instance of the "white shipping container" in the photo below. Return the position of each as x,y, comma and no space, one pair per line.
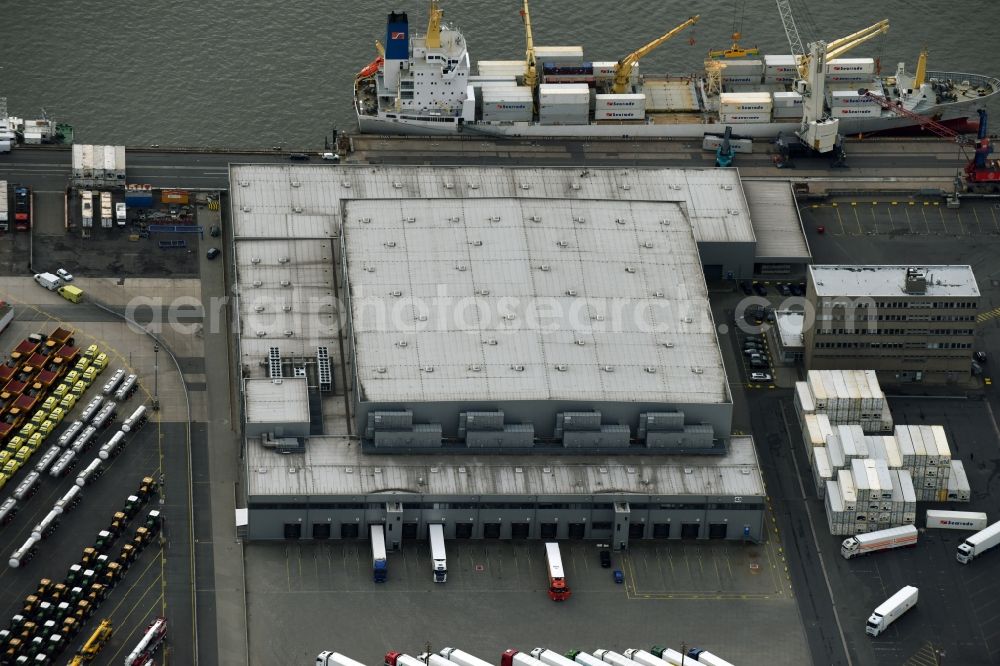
851,66
777,61
563,93
786,99
742,67
787,113
501,67
850,98
956,520
823,472
847,490
619,114
620,102
853,79
941,439
778,78
740,79
745,118
569,55
803,398
604,70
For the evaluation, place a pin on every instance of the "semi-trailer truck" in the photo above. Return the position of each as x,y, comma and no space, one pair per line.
706,657
645,658
891,610
584,658
550,658
669,655
613,658
330,658
397,659
22,208
558,589
380,566
956,520
979,543
870,542
462,658
515,658
438,556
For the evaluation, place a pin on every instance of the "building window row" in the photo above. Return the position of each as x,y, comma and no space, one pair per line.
937,305
861,330
579,506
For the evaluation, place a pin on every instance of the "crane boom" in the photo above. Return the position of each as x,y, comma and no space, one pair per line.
433,39
623,70
530,65
791,30
842,46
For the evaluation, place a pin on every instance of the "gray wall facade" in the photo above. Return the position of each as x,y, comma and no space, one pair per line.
507,517
735,258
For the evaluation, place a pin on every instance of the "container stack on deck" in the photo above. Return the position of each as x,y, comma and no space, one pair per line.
870,479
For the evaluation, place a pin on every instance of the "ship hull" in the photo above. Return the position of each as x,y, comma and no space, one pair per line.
886,123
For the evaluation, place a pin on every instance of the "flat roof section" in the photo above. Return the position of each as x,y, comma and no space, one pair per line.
286,297
270,402
889,280
790,326
776,222
269,200
335,466
529,299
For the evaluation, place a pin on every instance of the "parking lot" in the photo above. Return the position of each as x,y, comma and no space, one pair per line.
495,598
901,216
160,577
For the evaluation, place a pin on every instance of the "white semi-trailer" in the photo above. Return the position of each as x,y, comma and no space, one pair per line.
438,556
586,659
551,658
397,659
870,542
613,658
515,658
891,610
669,655
979,543
330,658
645,658
706,657
462,658
956,520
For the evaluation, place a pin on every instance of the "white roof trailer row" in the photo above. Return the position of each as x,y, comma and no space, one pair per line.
657,656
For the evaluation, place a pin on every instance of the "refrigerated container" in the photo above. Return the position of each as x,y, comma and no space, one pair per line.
955,520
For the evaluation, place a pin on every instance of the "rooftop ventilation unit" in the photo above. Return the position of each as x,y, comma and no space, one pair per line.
244,183
650,369
286,308
647,244
448,185
561,367
345,183
525,186
626,186
365,220
726,187
461,267
380,370
258,308
571,292
257,283
296,183
289,334
473,186
517,368
274,363
630,269
395,293
409,220
454,218
254,260
579,219
389,243
477,243
916,281
428,368
545,268
490,341
401,343
494,218
575,186
398,185
247,209
562,243
285,283
475,368
261,334
608,368
282,260
536,218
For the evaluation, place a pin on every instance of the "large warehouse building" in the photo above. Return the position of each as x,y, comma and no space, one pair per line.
513,352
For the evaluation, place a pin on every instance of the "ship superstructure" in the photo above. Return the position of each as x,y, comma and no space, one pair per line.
425,85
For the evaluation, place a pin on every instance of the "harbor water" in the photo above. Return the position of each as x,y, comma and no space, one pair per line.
265,74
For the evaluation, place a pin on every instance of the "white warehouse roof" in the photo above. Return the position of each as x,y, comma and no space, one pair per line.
529,299
888,280
283,401
333,466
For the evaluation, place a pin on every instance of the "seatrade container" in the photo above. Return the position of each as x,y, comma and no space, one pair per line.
956,520
850,98
852,112
751,102
851,66
745,117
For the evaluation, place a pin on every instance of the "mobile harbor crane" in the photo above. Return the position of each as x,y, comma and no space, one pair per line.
818,131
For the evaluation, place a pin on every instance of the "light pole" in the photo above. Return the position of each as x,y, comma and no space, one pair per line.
156,378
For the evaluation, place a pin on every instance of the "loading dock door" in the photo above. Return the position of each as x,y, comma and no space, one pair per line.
409,530
519,530
549,530
636,530
321,530
690,530
718,530
661,530
349,531
293,530
577,530
491,530
713,272
463,530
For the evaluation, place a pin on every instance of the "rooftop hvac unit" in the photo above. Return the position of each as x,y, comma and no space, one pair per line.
296,183
261,334
286,308
289,334
274,362
282,260
297,209
258,308
257,283
286,283
254,260
325,369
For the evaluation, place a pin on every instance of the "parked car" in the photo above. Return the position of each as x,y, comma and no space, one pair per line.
747,289
212,253
754,337
760,377
333,157
298,157
759,289
785,289
759,364
65,275
214,231
750,353
798,290
605,559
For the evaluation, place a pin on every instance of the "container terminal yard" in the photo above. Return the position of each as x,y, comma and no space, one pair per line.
252,399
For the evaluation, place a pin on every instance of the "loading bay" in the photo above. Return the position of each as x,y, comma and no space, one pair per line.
712,594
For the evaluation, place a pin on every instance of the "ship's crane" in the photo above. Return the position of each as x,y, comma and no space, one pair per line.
433,39
623,70
530,65
818,131
736,51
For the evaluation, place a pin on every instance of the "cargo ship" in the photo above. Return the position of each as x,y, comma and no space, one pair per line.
423,84
15,131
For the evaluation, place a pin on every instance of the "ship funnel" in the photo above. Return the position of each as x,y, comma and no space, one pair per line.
397,37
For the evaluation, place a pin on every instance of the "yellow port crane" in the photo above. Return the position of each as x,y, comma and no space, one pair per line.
736,51
433,39
94,644
840,47
530,66
623,70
